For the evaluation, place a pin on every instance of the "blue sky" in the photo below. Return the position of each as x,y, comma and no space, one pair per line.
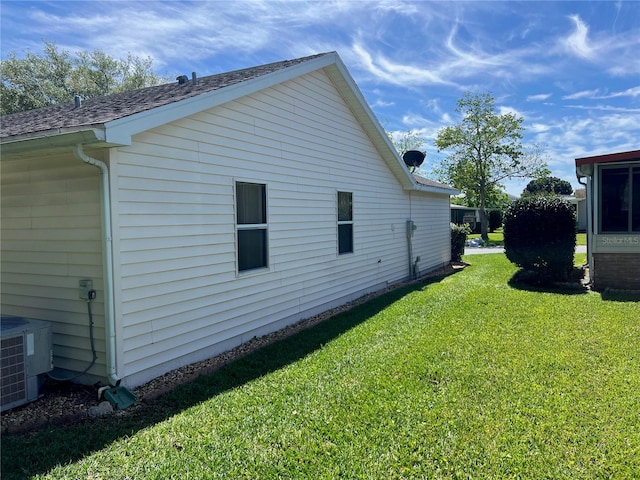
570,69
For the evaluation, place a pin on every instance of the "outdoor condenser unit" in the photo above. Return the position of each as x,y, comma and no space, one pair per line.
26,354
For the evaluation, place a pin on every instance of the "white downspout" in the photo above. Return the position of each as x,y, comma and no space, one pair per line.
107,256
589,194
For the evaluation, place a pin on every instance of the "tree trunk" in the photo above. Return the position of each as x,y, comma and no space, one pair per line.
484,224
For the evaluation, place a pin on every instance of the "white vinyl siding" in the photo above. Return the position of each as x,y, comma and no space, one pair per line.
180,297
51,239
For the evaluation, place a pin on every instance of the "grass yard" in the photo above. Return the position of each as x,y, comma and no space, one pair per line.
468,376
496,239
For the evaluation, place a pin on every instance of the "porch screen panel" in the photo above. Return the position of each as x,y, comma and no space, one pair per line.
615,199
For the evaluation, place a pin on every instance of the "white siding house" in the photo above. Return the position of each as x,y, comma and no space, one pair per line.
219,211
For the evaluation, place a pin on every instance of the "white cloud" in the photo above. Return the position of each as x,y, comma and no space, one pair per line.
538,128
630,92
502,110
382,103
539,97
577,42
582,94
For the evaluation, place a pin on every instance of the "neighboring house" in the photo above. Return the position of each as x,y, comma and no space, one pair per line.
613,230
204,213
461,214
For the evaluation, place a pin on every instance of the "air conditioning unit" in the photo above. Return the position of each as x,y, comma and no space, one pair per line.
26,354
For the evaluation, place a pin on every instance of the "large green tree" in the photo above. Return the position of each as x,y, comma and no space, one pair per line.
547,186
485,149
56,76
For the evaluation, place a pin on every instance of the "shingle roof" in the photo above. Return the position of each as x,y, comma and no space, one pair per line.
429,183
99,110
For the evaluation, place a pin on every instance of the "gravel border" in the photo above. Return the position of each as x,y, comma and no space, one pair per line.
66,403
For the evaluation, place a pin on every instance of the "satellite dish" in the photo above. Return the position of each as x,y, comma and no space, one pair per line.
413,158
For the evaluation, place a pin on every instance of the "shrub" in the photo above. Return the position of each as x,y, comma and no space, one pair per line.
458,240
495,220
540,236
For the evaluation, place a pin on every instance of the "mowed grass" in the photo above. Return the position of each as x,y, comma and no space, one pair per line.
496,239
463,377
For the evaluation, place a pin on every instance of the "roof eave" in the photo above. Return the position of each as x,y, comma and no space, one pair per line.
610,157
60,137
440,190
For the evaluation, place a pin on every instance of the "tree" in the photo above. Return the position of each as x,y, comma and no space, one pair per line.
56,77
486,149
547,186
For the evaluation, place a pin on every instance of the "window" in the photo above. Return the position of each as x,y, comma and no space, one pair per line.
345,222
620,199
251,225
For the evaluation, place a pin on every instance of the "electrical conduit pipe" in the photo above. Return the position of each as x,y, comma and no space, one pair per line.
107,258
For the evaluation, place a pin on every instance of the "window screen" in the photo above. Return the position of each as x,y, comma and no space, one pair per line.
251,215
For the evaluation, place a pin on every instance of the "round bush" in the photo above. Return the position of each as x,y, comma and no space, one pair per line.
540,236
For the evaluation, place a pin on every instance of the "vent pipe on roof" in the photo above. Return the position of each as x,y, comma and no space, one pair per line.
194,78
78,101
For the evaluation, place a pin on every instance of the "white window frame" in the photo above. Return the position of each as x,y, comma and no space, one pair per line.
344,222
252,226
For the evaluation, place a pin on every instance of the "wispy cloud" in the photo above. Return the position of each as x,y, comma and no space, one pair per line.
582,94
596,95
539,97
577,42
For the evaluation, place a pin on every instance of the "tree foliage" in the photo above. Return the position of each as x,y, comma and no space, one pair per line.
405,141
486,149
56,76
547,186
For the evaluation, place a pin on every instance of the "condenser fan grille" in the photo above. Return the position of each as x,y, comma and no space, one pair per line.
14,385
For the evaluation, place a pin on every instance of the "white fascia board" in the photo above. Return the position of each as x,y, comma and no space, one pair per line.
355,99
59,137
120,131
433,189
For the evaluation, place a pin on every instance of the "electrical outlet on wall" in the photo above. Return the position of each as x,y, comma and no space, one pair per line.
85,286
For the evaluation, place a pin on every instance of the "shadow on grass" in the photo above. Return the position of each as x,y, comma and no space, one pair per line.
530,281
27,455
620,295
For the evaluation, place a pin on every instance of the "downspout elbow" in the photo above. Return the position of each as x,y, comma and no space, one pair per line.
110,335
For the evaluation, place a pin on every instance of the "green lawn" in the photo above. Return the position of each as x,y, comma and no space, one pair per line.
469,376
497,238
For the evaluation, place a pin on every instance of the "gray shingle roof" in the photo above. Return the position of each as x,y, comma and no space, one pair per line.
96,111
428,183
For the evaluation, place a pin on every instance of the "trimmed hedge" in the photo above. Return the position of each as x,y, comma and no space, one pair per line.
495,220
540,236
458,240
